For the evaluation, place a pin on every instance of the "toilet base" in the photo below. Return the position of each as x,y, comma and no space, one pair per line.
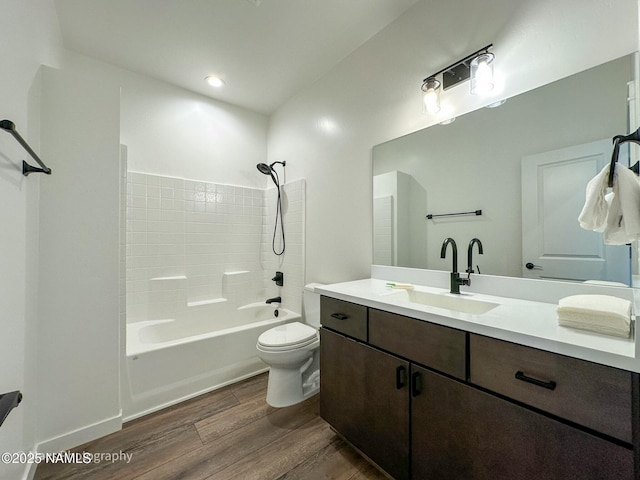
287,386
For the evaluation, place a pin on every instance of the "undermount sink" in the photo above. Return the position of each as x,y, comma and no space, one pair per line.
456,303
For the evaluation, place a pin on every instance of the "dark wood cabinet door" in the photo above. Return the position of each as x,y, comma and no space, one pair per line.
461,432
364,395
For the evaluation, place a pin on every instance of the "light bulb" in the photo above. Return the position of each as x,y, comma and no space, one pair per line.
482,74
431,96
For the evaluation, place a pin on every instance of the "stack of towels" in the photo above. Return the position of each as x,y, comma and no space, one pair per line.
596,313
616,213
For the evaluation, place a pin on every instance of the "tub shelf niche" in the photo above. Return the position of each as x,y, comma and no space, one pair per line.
206,302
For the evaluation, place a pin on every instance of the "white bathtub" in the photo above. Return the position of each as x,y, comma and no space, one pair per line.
169,361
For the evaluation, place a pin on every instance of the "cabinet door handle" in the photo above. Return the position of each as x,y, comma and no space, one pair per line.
550,385
339,316
416,384
401,377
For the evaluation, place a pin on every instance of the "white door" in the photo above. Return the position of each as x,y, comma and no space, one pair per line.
553,194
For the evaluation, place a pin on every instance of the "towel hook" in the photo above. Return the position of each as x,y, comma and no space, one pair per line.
617,140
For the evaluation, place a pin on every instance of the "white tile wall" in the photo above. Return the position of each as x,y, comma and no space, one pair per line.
184,235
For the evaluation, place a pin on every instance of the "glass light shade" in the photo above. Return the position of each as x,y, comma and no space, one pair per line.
482,74
431,96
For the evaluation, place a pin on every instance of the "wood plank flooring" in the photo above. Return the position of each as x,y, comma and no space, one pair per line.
228,434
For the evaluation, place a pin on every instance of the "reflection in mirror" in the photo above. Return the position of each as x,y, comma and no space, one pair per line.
525,164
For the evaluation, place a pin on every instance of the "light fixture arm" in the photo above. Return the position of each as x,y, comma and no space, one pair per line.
459,69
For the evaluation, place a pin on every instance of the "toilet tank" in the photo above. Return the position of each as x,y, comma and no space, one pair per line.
311,305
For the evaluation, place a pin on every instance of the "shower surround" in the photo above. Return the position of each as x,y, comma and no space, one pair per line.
192,243
198,258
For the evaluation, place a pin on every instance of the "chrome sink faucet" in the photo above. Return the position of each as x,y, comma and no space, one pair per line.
456,281
470,269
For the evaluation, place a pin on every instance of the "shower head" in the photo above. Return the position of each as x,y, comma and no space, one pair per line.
268,170
264,168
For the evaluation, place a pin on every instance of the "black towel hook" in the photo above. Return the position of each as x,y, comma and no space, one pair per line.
617,140
9,126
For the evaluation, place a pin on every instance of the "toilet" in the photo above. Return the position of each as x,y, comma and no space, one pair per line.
292,352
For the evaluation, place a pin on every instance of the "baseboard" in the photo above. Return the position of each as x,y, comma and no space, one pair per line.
142,413
80,436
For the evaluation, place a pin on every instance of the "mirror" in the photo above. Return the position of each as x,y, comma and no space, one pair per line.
475,163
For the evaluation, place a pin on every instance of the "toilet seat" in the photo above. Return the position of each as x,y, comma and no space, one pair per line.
288,336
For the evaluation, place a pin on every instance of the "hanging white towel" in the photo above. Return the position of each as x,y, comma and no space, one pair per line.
617,214
594,213
623,221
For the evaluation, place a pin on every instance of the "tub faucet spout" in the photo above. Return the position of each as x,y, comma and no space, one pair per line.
274,300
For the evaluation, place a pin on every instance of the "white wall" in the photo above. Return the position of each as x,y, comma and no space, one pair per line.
78,367
327,131
172,132
30,37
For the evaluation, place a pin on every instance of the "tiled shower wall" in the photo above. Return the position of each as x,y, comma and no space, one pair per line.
192,243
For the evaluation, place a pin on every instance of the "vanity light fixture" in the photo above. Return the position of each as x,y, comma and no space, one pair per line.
214,81
478,66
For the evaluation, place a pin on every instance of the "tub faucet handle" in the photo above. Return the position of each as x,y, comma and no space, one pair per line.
279,279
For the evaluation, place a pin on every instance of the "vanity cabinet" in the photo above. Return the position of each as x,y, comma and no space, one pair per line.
435,346
344,317
592,395
425,401
459,432
365,397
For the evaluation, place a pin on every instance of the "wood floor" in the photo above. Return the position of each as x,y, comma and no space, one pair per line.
227,434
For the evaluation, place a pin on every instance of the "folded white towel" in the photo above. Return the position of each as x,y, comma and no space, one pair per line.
603,329
598,313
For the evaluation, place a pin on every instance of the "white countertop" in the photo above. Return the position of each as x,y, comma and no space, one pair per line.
519,321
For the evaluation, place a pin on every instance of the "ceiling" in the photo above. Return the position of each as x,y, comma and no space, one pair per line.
265,50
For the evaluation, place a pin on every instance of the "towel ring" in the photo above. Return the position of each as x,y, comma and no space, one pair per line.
617,140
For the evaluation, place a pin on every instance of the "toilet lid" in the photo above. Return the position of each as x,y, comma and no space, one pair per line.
287,335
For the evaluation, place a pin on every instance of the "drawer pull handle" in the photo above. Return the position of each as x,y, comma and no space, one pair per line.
339,316
401,377
550,385
416,384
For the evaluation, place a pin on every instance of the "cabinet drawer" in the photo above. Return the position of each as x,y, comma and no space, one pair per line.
344,317
434,346
586,393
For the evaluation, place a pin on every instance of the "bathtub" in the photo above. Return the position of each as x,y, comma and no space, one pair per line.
172,360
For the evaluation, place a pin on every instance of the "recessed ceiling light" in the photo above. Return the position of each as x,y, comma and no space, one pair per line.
214,81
